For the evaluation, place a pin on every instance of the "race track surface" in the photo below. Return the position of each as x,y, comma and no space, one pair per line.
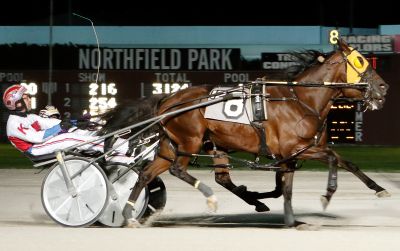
355,218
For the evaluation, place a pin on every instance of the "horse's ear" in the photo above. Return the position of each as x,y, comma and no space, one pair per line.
343,46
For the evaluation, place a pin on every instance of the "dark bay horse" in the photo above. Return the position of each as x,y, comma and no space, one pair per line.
294,128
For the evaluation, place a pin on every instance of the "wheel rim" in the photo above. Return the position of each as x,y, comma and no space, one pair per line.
91,197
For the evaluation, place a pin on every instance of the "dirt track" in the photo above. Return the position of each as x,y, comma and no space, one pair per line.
354,219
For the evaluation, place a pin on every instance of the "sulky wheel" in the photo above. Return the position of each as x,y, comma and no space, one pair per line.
157,198
122,179
91,193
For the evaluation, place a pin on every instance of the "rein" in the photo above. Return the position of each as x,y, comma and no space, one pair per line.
203,97
275,83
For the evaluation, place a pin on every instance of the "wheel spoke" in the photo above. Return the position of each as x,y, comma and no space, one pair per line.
79,208
62,204
69,211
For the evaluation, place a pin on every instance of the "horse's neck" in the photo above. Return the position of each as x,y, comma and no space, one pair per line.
318,99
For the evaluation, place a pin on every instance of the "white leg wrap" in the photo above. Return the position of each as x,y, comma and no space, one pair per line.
132,223
212,203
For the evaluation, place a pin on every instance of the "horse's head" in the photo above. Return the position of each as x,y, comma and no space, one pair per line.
355,68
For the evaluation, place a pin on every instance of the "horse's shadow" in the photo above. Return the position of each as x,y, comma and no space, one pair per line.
271,220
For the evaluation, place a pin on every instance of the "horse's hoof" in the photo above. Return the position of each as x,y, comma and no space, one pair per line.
383,194
302,226
262,208
212,203
324,202
148,221
132,223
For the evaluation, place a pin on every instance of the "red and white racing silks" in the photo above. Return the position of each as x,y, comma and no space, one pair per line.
39,136
24,131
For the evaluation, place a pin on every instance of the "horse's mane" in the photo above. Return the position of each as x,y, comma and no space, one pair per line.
130,112
304,59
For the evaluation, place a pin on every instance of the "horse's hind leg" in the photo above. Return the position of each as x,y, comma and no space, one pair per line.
180,172
223,178
155,168
277,192
151,171
179,167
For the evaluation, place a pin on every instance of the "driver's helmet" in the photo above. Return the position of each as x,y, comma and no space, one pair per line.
50,112
12,95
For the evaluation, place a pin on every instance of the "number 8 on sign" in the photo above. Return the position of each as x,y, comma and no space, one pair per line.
333,36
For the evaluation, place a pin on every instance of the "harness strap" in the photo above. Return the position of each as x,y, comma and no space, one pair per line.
264,149
172,145
222,172
185,154
229,166
166,158
320,130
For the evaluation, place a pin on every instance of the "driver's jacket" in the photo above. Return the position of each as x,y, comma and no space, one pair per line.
27,129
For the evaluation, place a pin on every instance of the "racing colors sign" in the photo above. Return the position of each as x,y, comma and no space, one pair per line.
371,43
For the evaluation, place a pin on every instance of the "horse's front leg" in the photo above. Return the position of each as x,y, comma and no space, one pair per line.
334,160
287,187
353,168
330,157
332,182
287,190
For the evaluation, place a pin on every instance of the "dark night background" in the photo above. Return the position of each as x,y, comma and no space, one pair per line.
351,13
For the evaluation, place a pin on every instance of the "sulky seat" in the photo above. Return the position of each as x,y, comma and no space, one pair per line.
39,158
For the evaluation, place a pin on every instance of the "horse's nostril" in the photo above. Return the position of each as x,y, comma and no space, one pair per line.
383,86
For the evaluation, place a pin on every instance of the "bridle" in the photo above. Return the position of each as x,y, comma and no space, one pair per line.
363,75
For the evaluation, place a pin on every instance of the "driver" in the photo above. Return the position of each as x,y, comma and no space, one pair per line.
36,135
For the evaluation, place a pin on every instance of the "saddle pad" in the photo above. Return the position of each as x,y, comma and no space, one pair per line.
234,110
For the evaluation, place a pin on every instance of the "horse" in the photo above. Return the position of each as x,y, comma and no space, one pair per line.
295,129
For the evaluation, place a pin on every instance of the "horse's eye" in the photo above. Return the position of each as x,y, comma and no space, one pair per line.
358,62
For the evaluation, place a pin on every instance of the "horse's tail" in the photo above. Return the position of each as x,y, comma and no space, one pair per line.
129,113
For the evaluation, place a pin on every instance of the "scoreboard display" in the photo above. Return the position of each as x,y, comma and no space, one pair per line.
345,123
